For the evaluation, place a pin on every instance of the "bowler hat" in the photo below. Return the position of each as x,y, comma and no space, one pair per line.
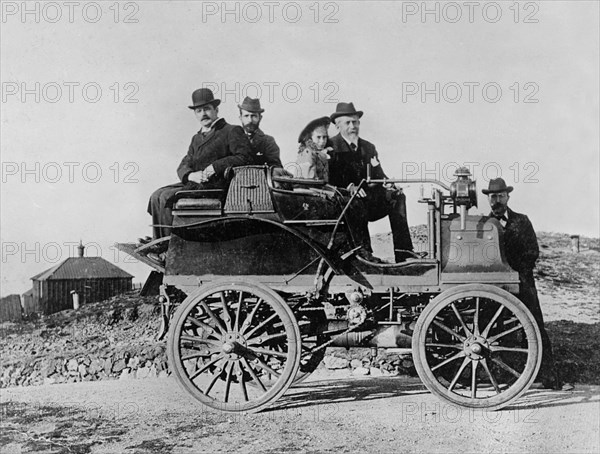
309,128
497,185
202,97
345,109
251,105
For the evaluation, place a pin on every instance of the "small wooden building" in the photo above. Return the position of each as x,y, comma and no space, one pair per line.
86,279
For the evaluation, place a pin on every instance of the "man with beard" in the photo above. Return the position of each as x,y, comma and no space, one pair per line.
521,251
348,166
217,146
264,148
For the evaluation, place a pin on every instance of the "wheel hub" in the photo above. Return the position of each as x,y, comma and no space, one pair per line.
233,344
475,347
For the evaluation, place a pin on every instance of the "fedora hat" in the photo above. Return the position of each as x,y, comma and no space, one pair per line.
251,105
309,128
202,97
345,109
497,185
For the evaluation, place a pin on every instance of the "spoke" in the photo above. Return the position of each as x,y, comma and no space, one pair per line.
214,317
449,331
448,360
462,322
242,381
495,348
474,365
266,351
248,320
201,324
476,317
256,328
460,371
200,340
487,329
254,376
508,331
506,367
492,379
212,383
206,366
238,312
264,339
457,346
228,382
226,315
195,355
264,366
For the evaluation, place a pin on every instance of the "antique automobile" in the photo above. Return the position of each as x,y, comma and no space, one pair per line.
262,277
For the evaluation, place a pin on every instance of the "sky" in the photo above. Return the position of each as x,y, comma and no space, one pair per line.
94,96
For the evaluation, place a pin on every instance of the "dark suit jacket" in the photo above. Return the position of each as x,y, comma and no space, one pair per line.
224,146
520,244
264,149
347,166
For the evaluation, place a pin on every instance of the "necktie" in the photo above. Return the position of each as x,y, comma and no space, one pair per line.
502,218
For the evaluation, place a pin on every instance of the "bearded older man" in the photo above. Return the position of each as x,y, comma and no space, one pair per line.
348,166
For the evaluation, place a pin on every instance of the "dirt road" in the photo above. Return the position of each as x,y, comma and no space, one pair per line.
330,412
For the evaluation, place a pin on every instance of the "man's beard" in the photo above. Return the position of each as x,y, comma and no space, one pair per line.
498,208
251,128
352,136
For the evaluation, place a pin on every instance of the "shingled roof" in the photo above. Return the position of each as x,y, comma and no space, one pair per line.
82,268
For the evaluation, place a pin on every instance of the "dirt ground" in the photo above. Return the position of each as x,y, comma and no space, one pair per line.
330,412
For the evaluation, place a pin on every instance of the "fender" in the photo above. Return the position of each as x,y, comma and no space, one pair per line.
193,230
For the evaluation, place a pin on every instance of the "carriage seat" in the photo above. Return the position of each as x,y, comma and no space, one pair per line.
199,202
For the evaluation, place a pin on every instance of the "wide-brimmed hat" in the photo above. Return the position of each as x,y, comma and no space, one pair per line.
345,109
251,105
202,97
497,185
309,128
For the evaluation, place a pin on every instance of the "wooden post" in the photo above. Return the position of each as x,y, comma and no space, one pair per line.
575,243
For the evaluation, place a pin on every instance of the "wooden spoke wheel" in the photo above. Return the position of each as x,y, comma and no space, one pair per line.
234,346
477,346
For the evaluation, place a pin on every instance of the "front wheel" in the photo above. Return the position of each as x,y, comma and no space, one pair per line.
477,346
234,346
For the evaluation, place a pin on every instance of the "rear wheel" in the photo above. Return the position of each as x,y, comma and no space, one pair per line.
477,346
234,346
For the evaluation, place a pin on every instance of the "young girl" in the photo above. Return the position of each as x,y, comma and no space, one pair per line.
312,152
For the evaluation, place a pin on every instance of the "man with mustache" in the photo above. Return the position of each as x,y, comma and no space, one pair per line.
217,146
264,147
521,251
348,166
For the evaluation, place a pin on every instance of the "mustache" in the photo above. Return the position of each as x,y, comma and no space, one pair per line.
497,205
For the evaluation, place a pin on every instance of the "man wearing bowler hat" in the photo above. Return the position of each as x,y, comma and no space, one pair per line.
521,251
217,146
348,166
264,147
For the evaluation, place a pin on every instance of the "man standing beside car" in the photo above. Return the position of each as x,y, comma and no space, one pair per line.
521,251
